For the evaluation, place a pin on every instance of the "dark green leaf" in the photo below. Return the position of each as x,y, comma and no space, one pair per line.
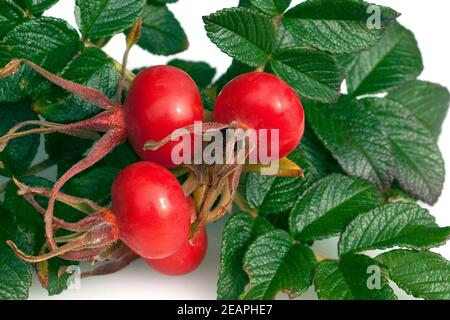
420,274
165,1
94,184
236,68
353,134
337,26
351,279
395,59
395,225
201,72
25,214
240,230
161,32
57,282
420,167
312,74
15,275
275,263
242,34
36,7
329,205
61,147
271,7
92,68
20,152
48,42
275,195
103,18
10,16
427,101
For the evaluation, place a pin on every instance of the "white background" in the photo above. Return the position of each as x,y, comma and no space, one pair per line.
429,20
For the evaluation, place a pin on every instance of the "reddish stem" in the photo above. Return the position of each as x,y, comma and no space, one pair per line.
107,143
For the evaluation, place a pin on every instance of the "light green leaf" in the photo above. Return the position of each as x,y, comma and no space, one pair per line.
356,139
275,263
419,165
241,229
395,59
242,34
420,274
329,205
161,32
395,225
312,74
350,279
337,26
103,18
427,101
92,68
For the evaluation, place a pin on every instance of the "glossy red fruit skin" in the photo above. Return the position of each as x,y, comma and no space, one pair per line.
151,210
161,99
259,100
186,259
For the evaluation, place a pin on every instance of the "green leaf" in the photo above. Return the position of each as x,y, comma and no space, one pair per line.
395,225
336,26
427,101
10,16
420,168
312,74
20,152
51,43
236,69
15,275
241,229
165,1
275,263
271,7
286,40
420,274
61,147
94,184
92,68
25,214
103,18
395,59
201,72
329,205
276,195
162,34
354,136
350,279
36,7
242,34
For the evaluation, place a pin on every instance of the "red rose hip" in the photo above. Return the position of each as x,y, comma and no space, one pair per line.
151,209
259,100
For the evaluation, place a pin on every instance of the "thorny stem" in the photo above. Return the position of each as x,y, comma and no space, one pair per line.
276,23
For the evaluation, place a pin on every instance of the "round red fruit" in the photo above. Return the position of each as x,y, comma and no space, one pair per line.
161,99
187,258
152,212
259,100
